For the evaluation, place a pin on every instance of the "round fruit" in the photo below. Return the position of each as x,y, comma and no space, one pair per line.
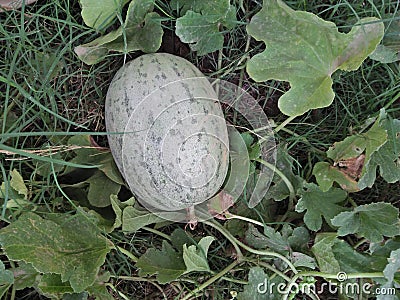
167,132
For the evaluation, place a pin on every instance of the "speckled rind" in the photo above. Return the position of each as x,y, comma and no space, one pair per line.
174,152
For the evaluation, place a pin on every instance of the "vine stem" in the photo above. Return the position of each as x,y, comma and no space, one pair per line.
284,123
229,215
128,254
211,280
236,243
292,194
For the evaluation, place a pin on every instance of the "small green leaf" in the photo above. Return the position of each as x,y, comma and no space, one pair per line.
302,260
97,14
326,175
320,204
372,221
6,279
167,264
71,246
100,189
134,218
385,54
386,157
17,183
299,238
389,50
110,169
180,237
305,50
141,31
195,257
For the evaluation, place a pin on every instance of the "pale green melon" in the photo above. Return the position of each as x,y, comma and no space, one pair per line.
174,150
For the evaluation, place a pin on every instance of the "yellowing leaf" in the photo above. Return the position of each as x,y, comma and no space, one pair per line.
71,246
305,50
326,175
17,183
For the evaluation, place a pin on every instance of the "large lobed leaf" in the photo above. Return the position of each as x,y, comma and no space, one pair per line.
305,50
166,263
372,221
71,246
318,204
201,23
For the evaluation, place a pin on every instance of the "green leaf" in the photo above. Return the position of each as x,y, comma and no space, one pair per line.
141,31
203,37
110,169
302,260
180,237
135,218
271,239
259,286
97,14
52,286
372,221
25,276
318,204
6,279
284,163
350,260
389,50
166,263
322,250
100,189
387,157
299,238
305,50
393,265
391,269
200,26
195,257
326,175
385,54
71,246
17,183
